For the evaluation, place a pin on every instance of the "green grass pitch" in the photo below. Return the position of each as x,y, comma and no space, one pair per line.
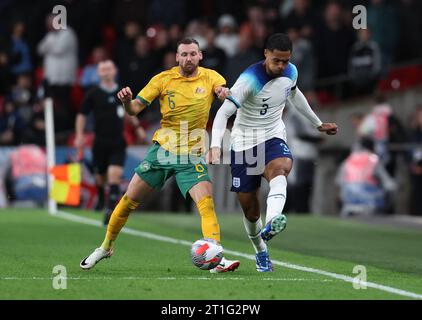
32,242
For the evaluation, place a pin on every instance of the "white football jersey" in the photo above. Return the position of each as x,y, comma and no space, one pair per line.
260,100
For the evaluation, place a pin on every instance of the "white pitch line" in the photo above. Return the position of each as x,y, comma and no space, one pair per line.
153,236
164,278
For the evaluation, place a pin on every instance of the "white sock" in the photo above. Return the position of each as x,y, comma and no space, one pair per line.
253,229
276,197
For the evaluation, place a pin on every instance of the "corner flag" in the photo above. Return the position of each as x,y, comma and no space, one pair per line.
66,187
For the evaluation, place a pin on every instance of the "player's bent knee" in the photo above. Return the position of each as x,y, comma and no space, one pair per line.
281,171
138,189
252,215
278,167
251,211
201,190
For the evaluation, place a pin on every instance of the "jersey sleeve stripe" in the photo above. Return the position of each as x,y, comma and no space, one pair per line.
237,104
143,100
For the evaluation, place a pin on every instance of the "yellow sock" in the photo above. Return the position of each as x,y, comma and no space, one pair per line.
209,222
118,220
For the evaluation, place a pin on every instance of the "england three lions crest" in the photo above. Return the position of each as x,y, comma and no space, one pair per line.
236,182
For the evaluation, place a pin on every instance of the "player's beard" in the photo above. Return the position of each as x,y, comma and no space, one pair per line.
189,68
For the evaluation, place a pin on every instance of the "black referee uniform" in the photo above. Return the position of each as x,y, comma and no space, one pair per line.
109,146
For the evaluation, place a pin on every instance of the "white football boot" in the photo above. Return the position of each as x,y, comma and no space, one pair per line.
95,257
226,265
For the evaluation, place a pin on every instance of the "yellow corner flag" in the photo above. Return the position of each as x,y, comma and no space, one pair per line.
66,187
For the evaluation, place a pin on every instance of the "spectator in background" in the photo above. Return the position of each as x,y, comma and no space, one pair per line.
138,68
160,42
227,38
89,72
168,12
5,62
364,63
303,142
383,23
260,36
375,126
214,57
410,41
59,47
234,8
168,62
302,18
255,26
416,163
23,96
333,43
384,128
11,125
272,18
123,12
87,19
175,34
364,184
245,56
196,29
304,60
20,49
356,121
126,43
34,133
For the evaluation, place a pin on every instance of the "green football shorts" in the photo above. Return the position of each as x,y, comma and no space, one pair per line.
160,164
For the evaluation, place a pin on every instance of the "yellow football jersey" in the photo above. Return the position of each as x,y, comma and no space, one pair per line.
185,105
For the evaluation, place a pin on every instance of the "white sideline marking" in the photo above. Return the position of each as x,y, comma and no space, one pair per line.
72,217
166,278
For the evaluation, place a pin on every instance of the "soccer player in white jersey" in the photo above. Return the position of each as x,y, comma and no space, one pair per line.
258,139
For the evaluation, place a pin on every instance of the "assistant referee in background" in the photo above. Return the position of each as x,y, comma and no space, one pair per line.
109,147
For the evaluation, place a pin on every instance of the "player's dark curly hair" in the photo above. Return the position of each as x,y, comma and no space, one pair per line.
279,41
187,41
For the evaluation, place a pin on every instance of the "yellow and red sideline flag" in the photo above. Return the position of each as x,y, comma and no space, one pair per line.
66,186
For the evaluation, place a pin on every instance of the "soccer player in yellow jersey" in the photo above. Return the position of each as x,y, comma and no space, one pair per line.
185,93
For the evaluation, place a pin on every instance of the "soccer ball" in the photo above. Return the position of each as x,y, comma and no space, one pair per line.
206,253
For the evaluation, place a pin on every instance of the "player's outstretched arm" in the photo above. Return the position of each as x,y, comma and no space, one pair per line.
218,129
132,106
328,128
222,93
298,99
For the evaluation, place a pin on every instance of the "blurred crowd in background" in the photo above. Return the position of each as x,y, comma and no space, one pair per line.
335,61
